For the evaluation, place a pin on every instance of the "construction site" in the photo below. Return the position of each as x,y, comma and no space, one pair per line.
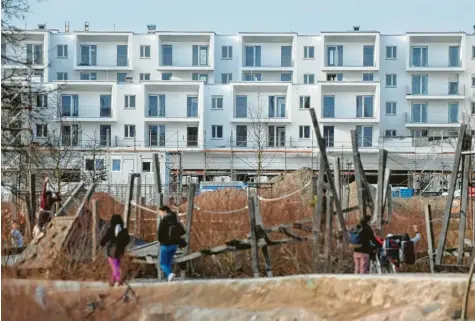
295,223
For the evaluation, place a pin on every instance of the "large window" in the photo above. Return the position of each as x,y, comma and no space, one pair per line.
454,56
328,106
88,55
61,76
364,106
88,76
70,135
69,106
420,84
241,135
253,56
329,136
453,113
167,55
199,77
122,55
192,106
335,56
364,136
106,106
419,56
309,52
391,52
286,76
121,77
252,76
156,106
368,76
368,56
419,113
241,106
276,107
200,55
34,54
156,135
286,56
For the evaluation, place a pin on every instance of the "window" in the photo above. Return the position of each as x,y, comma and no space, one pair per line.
390,108
166,76
335,56
42,100
34,54
473,52
368,56
192,106
419,57
129,101
156,106
335,77
276,107
391,52
200,77
88,55
304,132
253,56
390,133
88,76
116,165
226,78
69,105
368,76
419,133
200,55
121,77
304,102
329,106
144,76
105,105
146,166
226,52
453,113
329,135
241,106
419,113
122,55
286,56
167,55
129,131
309,52
309,79
473,108
144,51
62,51
391,80
364,135
98,162
62,76
473,80
156,135
41,131
454,56
286,76
217,102
70,135
241,135
364,106
419,84
217,131
252,76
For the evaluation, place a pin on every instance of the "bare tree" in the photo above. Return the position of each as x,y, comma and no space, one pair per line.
95,153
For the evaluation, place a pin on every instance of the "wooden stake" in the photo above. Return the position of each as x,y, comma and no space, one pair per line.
139,218
390,203
95,227
359,171
189,215
137,211
463,206
378,208
450,196
466,295
329,232
321,146
430,237
318,191
159,202
254,246
128,199
31,215
267,262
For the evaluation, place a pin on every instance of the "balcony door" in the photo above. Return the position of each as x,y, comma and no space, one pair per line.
286,56
191,136
420,84
419,113
335,56
454,56
365,136
122,57
364,106
105,135
106,109
419,56
253,56
69,106
368,56
200,55
88,55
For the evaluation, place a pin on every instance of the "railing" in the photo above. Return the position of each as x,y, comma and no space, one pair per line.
329,115
285,65
420,120
451,91
435,65
86,111
362,65
191,141
123,62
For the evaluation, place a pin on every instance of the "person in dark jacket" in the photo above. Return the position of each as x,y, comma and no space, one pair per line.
115,241
362,254
169,233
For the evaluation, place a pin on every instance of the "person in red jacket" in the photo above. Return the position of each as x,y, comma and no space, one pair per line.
46,204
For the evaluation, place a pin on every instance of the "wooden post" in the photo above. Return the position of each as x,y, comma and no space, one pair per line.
267,262
70,199
139,218
358,174
189,215
30,217
128,199
387,175
158,179
321,146
430,237
318,189
390,203
378,208
450,196
137,212
463,314
329,232
15,192
95,227
85,200
252,220
336,177
463,207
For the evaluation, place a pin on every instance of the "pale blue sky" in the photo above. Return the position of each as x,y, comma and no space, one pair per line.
228,17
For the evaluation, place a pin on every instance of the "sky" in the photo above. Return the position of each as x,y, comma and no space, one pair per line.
230,17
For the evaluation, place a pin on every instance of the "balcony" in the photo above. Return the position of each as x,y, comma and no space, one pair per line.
191,51
426,121
453,92
85,113
103,51
327,117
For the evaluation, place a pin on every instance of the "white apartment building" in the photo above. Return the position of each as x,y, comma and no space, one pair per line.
224,101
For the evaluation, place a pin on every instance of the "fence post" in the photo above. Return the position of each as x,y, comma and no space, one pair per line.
430,237
95,227
254,240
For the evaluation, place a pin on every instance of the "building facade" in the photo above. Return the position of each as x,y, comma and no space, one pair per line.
234,105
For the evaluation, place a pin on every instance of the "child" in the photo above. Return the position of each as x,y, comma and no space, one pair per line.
115,240
17,238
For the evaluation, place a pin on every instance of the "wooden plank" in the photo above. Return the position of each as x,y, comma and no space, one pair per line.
337,178
128,199
70,199
390,203
95,227
358,174
252,220
267,262
86,199
139,219
318,191
321,146
30,217
158,179
467,291
430,237
387,175
138,211
464,203
450,196
361,174
189,215
329,232
378,208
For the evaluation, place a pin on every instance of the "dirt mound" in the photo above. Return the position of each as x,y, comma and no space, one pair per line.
108,205
288,183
